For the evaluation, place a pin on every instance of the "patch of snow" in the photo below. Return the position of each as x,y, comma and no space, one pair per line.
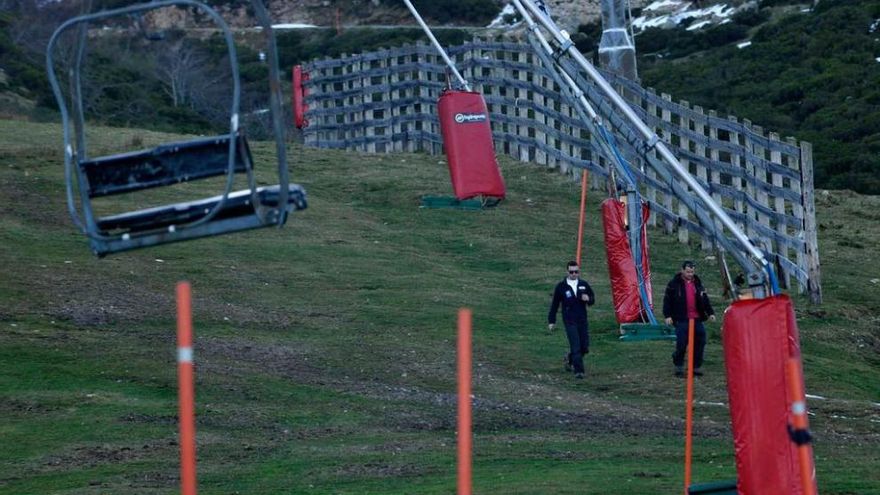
877,59
642,23
698,25
294,25
666,5
743,44
719,10
874,26
499,21
670,13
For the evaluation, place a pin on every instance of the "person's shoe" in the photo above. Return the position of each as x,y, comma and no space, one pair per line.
567,362
679,371
698,372
579,376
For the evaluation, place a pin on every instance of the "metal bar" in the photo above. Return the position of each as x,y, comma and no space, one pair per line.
653,141
277,114
437,45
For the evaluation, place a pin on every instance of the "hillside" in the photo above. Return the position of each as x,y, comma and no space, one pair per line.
325,350
813,74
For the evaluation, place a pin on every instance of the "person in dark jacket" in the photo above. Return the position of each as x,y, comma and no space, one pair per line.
686,299
574,295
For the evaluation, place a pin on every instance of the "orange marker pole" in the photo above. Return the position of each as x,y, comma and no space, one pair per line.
581,221
464,401
689,411
794,382
186,401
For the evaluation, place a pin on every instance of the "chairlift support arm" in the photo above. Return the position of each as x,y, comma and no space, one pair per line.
652,140
437,45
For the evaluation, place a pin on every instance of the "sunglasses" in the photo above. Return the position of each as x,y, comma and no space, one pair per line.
574,271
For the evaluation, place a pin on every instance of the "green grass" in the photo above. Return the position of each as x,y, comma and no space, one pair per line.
325,351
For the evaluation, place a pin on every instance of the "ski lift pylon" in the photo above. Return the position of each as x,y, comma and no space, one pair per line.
171,163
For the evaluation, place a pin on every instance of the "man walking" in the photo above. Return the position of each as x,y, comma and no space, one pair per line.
574,294
686,299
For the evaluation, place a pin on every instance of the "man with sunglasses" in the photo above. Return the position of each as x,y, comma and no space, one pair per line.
574,295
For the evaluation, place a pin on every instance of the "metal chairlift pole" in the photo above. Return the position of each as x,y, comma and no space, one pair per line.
437,45
577,99
275,108
652,140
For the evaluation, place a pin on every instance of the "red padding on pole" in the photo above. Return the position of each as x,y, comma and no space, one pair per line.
621,269
299,97
467,140
760,335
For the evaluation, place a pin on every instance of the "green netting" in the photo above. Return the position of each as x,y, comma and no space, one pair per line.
635,332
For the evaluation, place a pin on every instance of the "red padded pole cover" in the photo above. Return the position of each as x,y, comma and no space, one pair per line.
467,140
621,269
759,336
299,96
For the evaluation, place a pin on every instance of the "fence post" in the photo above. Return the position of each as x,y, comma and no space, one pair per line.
798,212
779,208
814,283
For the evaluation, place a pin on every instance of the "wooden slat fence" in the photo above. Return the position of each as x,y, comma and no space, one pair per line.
385,101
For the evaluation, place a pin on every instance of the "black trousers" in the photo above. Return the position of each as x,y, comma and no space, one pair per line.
578,344
681,343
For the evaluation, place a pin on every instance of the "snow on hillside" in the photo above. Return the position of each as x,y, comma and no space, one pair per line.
670,13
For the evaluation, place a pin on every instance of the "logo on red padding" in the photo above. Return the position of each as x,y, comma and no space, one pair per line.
466,118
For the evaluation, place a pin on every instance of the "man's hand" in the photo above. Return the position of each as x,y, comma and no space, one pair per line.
585,297
551,326
711,317
668,321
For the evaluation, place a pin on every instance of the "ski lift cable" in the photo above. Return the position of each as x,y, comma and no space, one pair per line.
437,45
652,140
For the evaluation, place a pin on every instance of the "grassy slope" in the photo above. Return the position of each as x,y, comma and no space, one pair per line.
325,350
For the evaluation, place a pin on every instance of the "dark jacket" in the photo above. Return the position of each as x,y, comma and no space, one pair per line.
675,300
574,310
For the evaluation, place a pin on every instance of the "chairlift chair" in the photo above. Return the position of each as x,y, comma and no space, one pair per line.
171,163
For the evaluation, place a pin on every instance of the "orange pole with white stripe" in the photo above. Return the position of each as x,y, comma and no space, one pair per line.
581,221
689,408
794,382
464,402
185,394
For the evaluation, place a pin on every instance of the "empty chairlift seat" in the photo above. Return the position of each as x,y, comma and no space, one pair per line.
173,163
224,155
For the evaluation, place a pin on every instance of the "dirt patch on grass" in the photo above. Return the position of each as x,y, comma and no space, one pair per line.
413,408
381,470
85,457
12,406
